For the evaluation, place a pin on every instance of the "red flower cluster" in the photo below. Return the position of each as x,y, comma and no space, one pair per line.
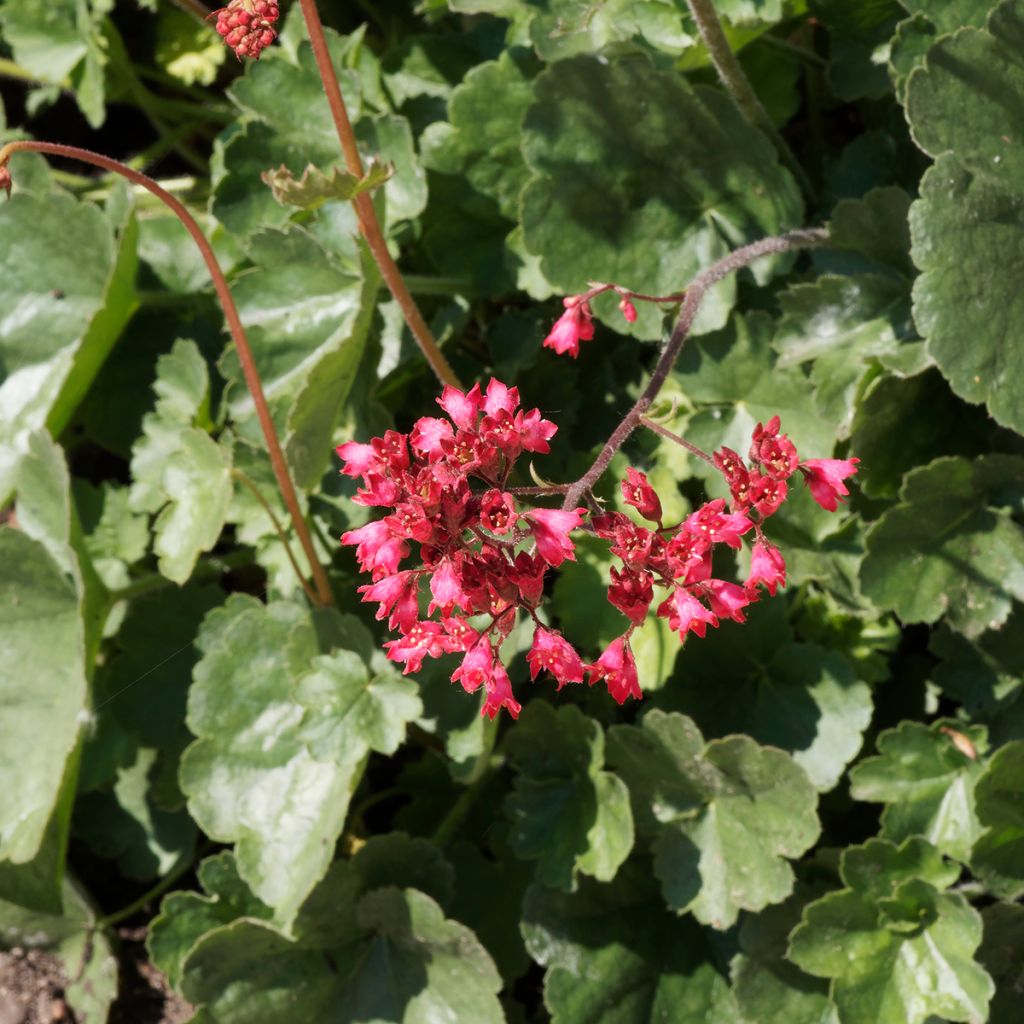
445,484
247,26
679,558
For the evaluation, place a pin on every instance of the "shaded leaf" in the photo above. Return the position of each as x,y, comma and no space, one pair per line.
724,815
998,855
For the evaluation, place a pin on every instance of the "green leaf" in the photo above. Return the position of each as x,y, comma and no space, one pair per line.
360,948
927,418
45,623
768,988
197,482
645,196
177,468
65,312
800,697
899,950
927,784
1000,955
482,141
724,815
308,317
61,42
969,218
986,674
566,812
998,856
270,135
614,955
950,548
274,772
733,379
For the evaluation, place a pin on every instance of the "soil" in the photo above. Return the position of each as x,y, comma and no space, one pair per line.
32,985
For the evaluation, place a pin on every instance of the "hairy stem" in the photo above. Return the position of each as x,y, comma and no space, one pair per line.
738,86
363,203
695,292
227,302
681,441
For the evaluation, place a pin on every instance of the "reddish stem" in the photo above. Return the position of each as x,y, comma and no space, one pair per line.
368,222
227,302
695,292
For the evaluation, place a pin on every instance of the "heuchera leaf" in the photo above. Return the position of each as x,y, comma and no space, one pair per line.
950,547
566,812
274,771
998,855
646,194
969,221
898,948
926,782
615,955
360,950
65,311
45,627
724,815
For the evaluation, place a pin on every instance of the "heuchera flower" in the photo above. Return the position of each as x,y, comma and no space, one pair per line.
618,669
825,479
247,26
767,567
637,491
553,652
551,528
573,326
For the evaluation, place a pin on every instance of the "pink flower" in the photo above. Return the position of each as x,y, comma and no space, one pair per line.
551,528
631,592
637,491
499,397
397,595
499,694
774,451
628,310
686,614
717,525
427,434
728,599
446,589
535,432
462,407
767,494
825,479
358,458
767,566
553,652
424,640
572,327
377,549
476,666
618,669
498,511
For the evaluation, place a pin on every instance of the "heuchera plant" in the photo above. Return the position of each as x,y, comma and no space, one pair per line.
352,800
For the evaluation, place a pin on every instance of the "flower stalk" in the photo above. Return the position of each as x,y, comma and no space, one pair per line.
369,224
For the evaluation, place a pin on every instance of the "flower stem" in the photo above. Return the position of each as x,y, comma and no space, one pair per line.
227,302
363,203
695,292
681,441
738,86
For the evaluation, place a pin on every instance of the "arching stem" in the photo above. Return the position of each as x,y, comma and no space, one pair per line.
227,302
